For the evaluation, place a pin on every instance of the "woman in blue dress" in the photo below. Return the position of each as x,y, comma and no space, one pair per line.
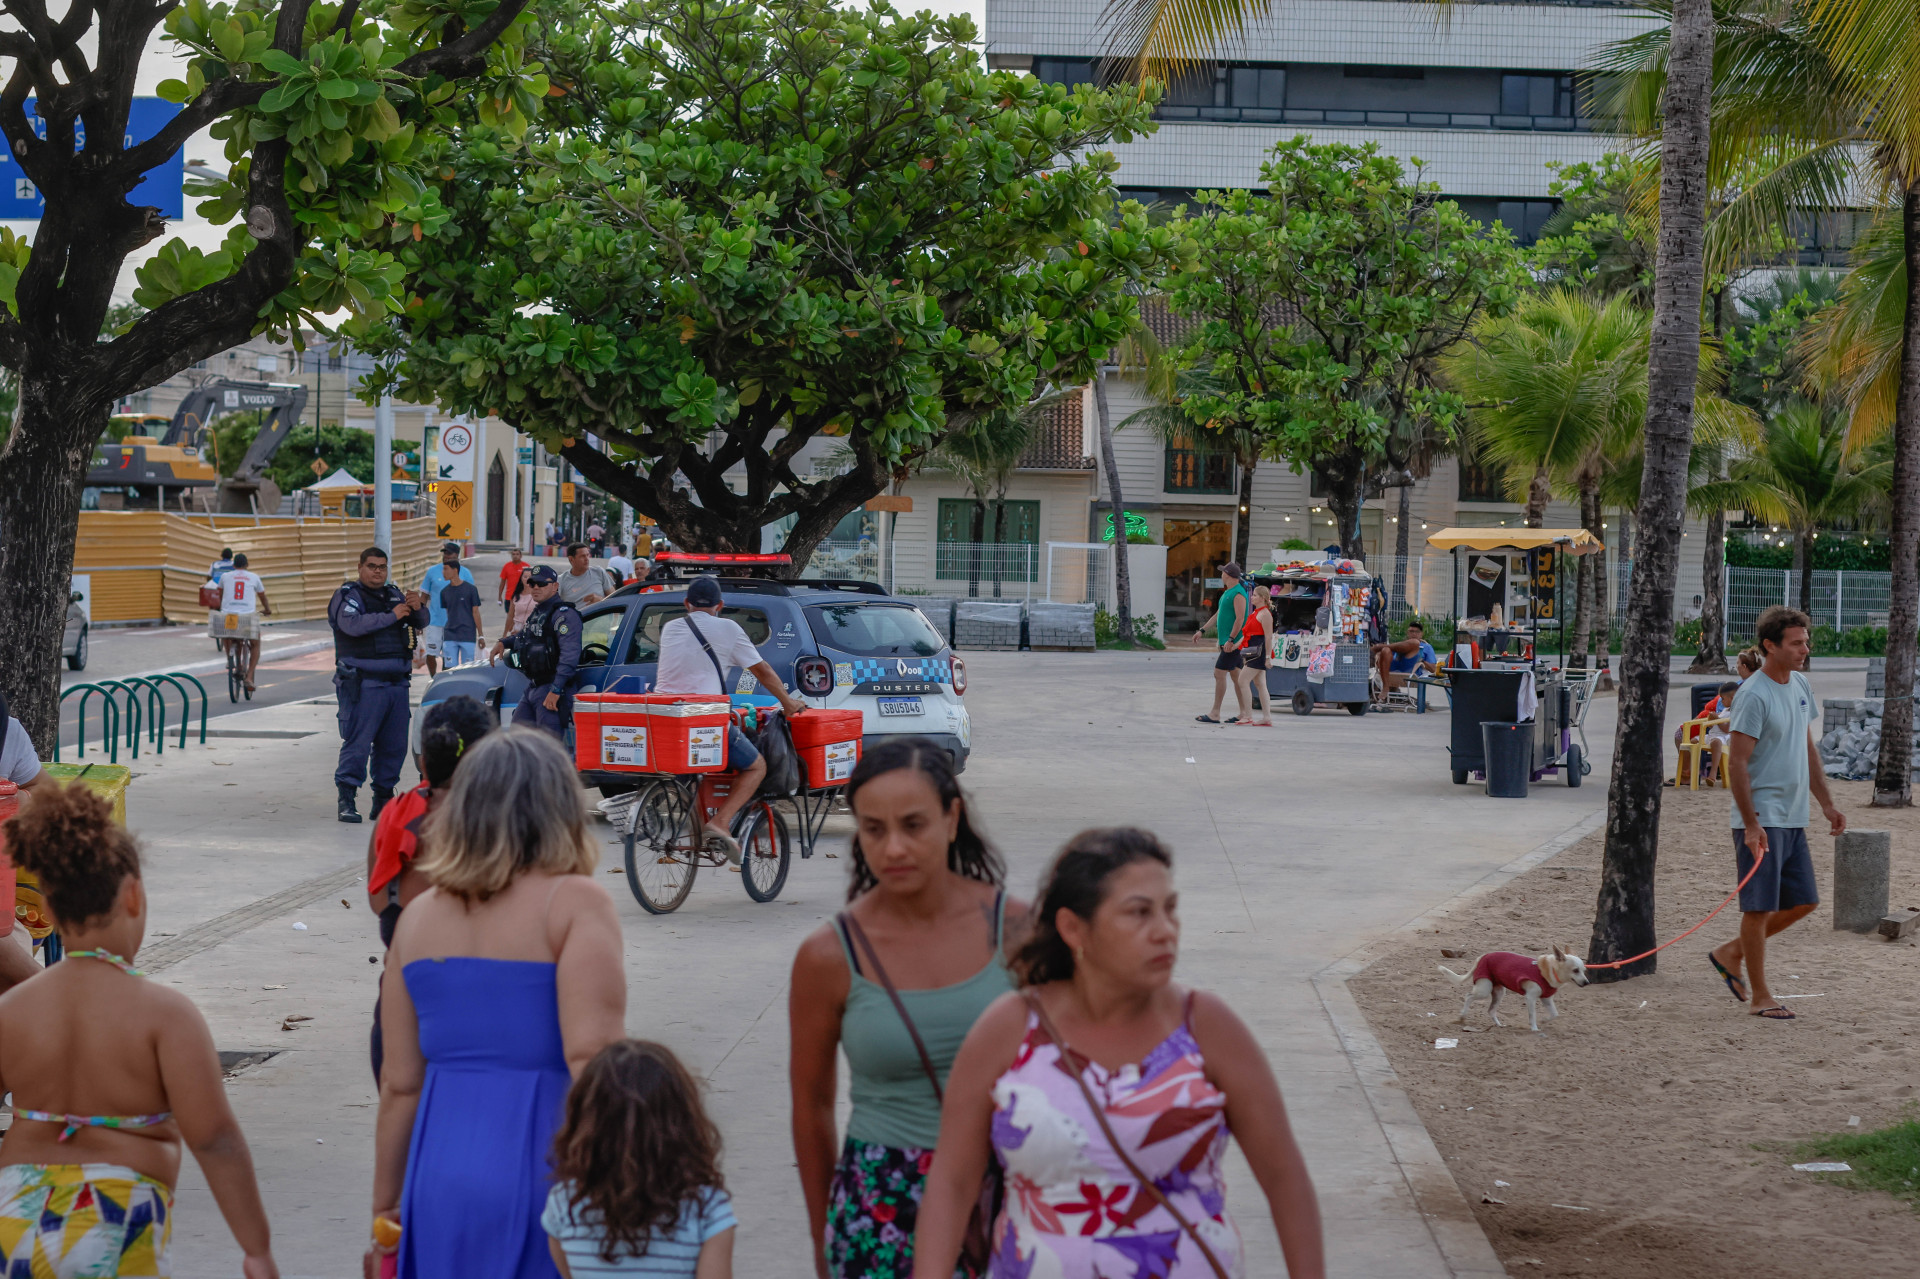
504,979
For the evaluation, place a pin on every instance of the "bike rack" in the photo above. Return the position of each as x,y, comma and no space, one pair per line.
109,722
155,711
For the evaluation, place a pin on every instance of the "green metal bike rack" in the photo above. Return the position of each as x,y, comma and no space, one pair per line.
186,702
133,720
109,722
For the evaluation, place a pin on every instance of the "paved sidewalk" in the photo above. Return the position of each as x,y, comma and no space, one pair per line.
1296,846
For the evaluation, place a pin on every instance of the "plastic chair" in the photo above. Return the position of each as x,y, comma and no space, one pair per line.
1693,744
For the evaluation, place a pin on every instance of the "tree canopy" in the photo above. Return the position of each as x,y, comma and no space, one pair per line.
737,228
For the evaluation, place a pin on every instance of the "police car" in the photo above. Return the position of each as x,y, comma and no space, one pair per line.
835,643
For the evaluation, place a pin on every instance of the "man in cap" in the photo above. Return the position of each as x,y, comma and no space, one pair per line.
447,571
547,652
373,640
695,656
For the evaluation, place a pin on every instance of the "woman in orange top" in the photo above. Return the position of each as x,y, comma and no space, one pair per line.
449,730
1256,648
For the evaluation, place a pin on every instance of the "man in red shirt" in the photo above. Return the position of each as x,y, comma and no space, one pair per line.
510,579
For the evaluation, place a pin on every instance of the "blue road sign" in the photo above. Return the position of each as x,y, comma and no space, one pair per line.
160,188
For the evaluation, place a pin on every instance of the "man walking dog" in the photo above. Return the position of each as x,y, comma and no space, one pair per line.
1774,765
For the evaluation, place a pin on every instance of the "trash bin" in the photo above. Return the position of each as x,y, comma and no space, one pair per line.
1509,754
108,781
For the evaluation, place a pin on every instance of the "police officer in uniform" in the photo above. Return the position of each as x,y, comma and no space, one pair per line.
375,628
547,651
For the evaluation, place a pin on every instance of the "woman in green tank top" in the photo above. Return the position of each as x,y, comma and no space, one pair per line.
927,923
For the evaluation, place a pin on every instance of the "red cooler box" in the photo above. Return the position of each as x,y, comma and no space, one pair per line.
686,732
610,732
829,745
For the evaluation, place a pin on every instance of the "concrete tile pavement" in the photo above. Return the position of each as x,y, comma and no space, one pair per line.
1296,846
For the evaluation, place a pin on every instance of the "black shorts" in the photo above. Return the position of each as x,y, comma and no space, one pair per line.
1230,659
1255,659
1785,878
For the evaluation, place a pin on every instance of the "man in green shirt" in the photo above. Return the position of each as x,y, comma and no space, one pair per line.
1230,621
1773,766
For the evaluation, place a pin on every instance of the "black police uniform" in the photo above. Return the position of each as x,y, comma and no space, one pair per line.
373,670
547,651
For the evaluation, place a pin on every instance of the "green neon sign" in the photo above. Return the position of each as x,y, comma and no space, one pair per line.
1137,526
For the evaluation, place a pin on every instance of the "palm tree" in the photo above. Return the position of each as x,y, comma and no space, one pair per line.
983,454
1558,389
1803,476
1811,103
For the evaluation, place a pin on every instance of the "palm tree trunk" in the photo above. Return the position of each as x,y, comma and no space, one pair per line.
1243,528
1892,780
1713,618
1122,583
1601,627
1400,541
1803,561
1623,915
1593,588
1539,493
1582,611
979,548
999,539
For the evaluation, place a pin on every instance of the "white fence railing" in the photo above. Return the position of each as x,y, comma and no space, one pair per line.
1842,599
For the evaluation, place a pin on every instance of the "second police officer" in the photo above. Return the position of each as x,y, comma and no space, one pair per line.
374,629
547,651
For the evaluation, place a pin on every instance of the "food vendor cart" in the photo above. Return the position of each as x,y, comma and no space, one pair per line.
1507,597
1320,620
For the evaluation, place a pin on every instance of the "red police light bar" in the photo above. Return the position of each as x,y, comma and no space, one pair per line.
690,557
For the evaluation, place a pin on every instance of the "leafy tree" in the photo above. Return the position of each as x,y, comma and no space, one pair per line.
1803,476
1225,394
1376,278
983,455
1601,238
740,228
329,114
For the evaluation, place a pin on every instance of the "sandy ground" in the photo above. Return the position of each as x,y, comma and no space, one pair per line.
1649,1131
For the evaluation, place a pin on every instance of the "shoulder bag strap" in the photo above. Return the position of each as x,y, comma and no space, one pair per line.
859,936
1120,1152
718,674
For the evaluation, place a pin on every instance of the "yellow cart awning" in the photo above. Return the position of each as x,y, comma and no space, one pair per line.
1570,541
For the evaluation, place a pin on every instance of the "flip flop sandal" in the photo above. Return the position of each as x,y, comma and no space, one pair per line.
1205,719
1734,984
1775,1013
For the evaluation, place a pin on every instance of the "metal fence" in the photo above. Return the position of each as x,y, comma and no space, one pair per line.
996,569
1840,599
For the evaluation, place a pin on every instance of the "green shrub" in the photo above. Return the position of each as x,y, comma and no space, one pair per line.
1296,544
1106,629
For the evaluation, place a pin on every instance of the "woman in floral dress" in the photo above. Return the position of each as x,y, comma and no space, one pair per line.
1133,1189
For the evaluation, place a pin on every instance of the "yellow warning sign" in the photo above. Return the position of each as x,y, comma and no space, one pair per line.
566,491
317,467
453,509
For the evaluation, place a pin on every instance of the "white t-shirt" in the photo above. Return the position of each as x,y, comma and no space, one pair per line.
684,667
240,591
18,762
622,566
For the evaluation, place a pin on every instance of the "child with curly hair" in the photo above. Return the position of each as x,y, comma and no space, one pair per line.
637,1178
110,1074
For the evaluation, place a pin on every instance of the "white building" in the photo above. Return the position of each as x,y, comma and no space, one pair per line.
1486,96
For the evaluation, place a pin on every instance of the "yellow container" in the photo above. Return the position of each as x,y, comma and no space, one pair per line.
109,781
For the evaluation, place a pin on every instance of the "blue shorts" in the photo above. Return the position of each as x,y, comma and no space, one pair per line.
741,753
457,652
1785,877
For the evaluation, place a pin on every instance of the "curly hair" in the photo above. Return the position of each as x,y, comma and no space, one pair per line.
970,855
447,731
635,1146
66,836
1077,881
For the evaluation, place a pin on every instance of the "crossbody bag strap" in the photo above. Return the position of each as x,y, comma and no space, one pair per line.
859,936
718,674
1113,1142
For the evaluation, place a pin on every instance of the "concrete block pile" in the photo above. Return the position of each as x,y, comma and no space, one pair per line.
1850,747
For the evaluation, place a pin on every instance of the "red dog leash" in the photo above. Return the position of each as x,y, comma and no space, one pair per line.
1621,963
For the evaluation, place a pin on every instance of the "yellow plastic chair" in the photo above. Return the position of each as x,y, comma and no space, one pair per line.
1693,744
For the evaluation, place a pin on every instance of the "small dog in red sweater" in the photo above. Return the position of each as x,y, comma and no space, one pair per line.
1537,979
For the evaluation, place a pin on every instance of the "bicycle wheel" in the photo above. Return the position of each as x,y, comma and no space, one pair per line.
246,662
235,683
765,851
661,858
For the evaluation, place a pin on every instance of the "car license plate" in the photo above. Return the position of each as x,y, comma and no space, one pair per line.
902,706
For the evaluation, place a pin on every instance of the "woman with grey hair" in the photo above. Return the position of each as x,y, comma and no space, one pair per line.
504,979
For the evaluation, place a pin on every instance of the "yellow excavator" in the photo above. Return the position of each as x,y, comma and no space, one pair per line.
154,470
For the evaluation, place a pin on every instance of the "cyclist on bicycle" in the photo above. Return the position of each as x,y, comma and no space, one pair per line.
693,659
243,598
